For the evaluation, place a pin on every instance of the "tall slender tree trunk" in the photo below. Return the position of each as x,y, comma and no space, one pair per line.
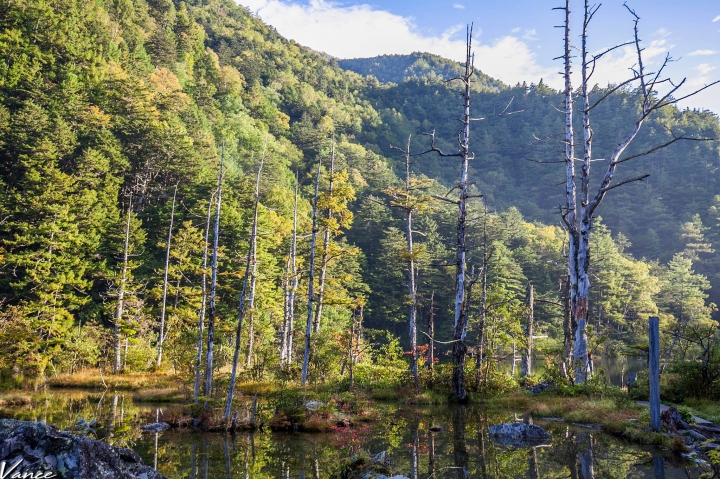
119,309
431,333
295,280
526,364
412,287
250,275
286,311
570,213
568,330
326,245
580,310
460,321
201,314
480,347
251,305
213,282
161,336
355,328
311,278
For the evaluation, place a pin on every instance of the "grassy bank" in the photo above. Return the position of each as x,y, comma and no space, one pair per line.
95,379
616,414
284,406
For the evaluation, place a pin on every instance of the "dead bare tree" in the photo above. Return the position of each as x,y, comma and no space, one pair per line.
119,308
410,203
292,281
203,293
526,357
324,258
311,278
162,335
461,320
250,277
213,281
579,223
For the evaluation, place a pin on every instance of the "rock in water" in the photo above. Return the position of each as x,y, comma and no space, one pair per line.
518,434
32,448
155,427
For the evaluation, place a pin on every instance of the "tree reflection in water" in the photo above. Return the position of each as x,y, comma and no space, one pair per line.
460,448
460,453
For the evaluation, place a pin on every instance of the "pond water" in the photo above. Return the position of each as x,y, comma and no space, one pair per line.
461,449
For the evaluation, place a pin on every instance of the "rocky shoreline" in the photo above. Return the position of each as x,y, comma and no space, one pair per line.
39,450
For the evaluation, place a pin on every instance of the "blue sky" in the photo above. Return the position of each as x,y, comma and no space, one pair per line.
515,40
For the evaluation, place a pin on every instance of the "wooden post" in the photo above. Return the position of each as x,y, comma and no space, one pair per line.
654,337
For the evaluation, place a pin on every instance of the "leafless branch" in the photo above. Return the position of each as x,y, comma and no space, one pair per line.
660,147
435,149
624,182
445,199
610,92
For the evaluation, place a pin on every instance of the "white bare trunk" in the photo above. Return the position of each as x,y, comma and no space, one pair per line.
526,362
119,309
293,273
250,275
326,246
161,336
311,277
201,314
213,283
460,319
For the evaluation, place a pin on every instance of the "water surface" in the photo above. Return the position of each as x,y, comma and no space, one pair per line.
460,449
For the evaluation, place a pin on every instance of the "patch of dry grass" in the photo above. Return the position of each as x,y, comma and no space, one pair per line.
615,417
93,379
14,399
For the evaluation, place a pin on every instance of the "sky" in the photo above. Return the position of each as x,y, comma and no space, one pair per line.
514,40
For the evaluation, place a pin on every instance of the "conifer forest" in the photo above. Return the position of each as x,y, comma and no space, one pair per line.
188,196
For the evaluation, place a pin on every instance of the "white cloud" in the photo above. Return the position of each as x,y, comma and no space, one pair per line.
704,68
530,35
716,19
615,66
697,53
515,30
459,6
364,31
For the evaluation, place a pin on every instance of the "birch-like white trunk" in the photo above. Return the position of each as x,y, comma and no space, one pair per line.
412,288
311,278
326,245
290,310
201,313
250,275
526,360
570,214
119,308
161,336
460,318
213,282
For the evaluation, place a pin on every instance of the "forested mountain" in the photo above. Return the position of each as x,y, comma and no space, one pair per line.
516,152
113,117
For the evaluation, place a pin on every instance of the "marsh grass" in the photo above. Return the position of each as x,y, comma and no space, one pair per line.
14,399
614,414
94,379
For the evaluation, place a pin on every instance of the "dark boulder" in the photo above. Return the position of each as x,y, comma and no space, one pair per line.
37,447
156,427
518,434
